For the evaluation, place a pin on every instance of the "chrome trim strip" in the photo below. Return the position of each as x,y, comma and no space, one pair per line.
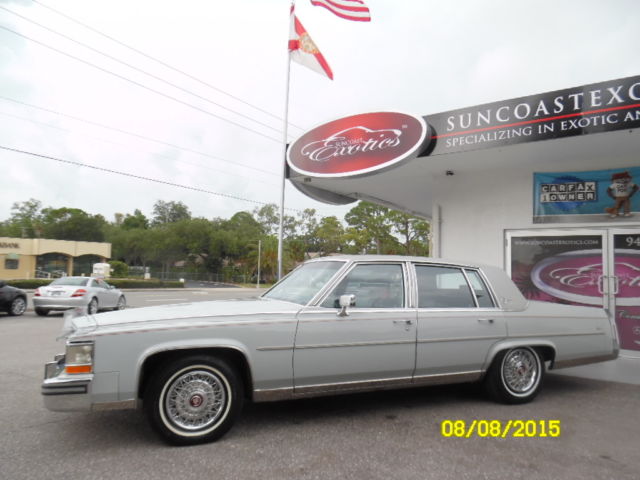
462,339
442,378
535,335
273,349
273,395
270,395
584,361
191,326
119,405
356,344
329,388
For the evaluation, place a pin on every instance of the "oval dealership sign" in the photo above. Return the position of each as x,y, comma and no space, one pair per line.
357,144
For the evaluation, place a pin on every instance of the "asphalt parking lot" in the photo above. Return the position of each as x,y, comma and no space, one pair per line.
387,435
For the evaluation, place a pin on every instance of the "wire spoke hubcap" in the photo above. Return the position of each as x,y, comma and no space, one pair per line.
520,370
195,400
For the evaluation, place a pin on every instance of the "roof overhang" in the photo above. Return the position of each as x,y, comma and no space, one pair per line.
555,131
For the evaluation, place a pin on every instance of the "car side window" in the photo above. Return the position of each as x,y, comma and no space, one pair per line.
443,287
374,286
480,289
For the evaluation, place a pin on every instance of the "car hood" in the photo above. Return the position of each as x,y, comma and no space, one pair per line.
216,311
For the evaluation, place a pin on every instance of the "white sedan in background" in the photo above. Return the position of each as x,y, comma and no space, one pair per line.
64,293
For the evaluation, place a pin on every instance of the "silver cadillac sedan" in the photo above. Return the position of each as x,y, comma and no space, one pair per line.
334,325
64,293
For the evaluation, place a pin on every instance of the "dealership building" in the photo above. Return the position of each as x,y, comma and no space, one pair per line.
24,258
544,186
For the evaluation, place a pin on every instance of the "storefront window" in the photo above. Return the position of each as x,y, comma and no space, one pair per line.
11,264
54,264
83,265
559,269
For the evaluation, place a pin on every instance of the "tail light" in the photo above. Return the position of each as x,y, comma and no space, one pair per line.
79,292
36,293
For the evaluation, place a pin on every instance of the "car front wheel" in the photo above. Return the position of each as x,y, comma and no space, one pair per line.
18,306
193,400
515,375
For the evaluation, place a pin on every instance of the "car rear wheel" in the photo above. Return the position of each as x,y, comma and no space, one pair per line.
18,306
122,303
193,400
42,312
92,308
515,375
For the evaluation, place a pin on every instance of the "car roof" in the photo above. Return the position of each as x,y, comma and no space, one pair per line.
397,258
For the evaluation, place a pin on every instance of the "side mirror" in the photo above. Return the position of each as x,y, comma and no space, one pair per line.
344,302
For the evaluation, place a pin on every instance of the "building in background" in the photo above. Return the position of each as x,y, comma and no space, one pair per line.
24,258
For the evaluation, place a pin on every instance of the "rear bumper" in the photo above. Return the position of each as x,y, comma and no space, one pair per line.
58,303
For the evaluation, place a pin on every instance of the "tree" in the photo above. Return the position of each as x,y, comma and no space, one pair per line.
370,227
412,231
137,220
329,235
169,212
308,224
25,220
72,224
269,217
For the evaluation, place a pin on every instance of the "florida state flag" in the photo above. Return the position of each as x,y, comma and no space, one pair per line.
304,51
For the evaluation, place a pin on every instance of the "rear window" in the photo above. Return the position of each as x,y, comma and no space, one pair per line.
72,281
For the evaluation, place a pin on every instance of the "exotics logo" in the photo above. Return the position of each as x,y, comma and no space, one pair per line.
358,144
579,277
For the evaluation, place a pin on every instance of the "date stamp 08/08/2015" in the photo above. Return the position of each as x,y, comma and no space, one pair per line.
500,428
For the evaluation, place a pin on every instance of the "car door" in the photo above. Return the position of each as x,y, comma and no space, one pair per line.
102,292
457,321
372,345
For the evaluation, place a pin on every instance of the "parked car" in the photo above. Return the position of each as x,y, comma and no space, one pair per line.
64,293
12,299
334,325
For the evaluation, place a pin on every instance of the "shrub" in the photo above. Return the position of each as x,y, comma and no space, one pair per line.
119,269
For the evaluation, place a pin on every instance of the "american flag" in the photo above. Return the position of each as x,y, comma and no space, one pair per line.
348,9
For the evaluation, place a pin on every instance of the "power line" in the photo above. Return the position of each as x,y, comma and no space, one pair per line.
140,84
164,64
137,135
133,67
138,177
126,147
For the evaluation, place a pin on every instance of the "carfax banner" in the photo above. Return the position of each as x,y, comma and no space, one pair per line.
600,195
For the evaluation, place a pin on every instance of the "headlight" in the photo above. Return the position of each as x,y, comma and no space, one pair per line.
79,358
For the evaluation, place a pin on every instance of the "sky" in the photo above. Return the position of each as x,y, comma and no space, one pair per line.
219,129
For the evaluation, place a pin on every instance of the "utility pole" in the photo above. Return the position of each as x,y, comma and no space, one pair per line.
259,252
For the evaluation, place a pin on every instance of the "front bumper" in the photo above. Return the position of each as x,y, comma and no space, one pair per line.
62,392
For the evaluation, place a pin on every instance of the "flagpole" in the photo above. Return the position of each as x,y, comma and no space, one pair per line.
283,157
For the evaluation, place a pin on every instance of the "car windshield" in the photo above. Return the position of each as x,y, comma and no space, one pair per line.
303,283
73,281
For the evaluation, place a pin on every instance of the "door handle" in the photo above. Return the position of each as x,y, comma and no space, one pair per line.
616,284
404,322
485,320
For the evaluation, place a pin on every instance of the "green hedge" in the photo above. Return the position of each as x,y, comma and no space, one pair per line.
141,283
116,282
33,283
